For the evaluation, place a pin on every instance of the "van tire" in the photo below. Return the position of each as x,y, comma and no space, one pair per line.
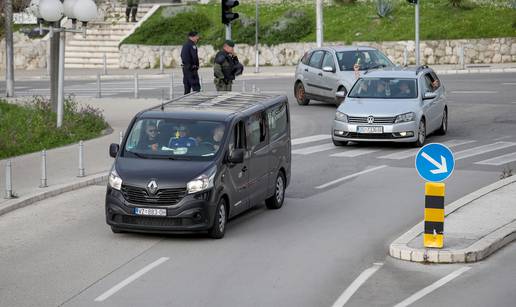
276,200
218,229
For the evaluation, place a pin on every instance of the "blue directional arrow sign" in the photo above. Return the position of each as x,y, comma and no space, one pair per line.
435,162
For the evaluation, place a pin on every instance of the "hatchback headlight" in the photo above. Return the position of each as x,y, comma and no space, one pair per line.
201,183
114,180
406,117
341,117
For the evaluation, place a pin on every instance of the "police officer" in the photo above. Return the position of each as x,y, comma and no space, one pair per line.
226,67
131,9
190,64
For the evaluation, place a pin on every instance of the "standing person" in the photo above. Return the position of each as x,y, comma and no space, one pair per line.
131,9
226,67
190,61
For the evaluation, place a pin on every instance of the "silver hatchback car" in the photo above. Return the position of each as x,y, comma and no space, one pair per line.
327,74
398,105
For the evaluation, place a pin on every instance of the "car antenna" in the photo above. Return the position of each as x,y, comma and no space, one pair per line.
162,101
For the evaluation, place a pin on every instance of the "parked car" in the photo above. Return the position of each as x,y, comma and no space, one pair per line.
194,162
327,74
397,105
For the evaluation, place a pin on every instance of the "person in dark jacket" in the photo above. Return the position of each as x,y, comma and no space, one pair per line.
131,9
226,67
190,63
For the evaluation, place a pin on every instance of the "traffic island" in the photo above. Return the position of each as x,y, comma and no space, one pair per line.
475,226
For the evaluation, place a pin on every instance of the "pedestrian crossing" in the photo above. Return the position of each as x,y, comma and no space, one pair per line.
321,146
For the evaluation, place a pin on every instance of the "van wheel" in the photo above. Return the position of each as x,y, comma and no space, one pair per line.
300,93
276,200
218,229
116,229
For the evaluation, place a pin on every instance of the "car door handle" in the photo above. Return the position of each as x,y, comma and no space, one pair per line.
320,74
306,69
244,169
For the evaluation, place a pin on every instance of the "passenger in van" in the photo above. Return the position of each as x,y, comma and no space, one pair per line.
182,138
149,140
213,143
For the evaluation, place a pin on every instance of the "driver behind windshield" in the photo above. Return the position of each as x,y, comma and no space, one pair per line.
149,140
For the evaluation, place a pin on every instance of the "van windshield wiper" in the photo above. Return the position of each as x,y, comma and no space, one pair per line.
138,155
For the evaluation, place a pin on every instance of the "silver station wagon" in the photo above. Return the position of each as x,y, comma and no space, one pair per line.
397,104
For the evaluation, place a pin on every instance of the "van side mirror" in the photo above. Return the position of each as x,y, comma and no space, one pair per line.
429,95
113,150
328,69
236,156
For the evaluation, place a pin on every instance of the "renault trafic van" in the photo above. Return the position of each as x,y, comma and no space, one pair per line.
192,163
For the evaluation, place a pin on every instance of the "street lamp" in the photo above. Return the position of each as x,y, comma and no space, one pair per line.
54,11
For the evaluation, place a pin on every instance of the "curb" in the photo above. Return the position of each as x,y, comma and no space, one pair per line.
17,203
477,251
475,71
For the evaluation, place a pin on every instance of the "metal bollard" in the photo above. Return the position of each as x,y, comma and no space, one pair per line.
99,94
43,181
200,83
254,88
161,68
81,159
243,86
171,93
136,85
405,56
8,180
104,62
462,60
121,138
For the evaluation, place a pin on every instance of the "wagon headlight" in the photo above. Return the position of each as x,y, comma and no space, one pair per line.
341,117
406,117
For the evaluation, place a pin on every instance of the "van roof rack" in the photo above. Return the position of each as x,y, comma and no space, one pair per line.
420,68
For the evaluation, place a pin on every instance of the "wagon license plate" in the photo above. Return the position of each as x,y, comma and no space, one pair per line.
372,129
150,211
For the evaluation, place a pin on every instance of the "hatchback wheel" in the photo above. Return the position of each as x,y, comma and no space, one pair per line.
300,93
339,100
276,200
218,229
421,134
444,124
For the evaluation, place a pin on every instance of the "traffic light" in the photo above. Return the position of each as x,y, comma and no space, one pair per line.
412,1
227,11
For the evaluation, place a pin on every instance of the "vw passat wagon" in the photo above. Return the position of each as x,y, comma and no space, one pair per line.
398,105
194,162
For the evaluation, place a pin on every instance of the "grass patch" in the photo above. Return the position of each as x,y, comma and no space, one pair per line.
282,23
31,127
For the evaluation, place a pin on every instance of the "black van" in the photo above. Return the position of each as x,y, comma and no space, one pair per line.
192,163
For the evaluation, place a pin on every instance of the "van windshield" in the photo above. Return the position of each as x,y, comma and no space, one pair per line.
175,139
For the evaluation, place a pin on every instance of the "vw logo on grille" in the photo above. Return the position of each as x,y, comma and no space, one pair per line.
152,187
370,119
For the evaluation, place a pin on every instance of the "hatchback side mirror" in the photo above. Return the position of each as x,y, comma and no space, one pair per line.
328,69
236,156
429,95
113,150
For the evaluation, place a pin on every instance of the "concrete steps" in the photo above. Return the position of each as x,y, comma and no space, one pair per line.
103,38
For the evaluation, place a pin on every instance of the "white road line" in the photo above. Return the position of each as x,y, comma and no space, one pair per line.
482,150
416,296
309,139
500,160
502,138
130,279
355,152
313,149
513,102
359,281
509,83
350,176
404,154
474,92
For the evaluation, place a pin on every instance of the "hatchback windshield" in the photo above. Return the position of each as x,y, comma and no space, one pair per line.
174,139
384,88
366,59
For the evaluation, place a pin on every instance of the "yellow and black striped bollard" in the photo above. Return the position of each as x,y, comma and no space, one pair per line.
434,214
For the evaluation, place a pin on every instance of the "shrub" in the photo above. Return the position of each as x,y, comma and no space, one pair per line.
455,3
383,8
345,1
293,26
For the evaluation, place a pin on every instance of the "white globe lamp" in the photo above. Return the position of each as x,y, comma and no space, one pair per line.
68,6
85,10
51,10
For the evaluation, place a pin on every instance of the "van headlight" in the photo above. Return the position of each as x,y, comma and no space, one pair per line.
114,180
341,117
201,183
406,117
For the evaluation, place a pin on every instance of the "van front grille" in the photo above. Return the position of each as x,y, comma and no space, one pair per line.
163,197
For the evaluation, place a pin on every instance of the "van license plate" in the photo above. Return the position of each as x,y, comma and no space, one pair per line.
373,129
150,211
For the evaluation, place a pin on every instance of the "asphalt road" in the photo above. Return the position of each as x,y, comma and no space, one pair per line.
60,251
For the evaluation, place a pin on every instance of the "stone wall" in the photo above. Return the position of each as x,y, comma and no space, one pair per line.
28,53
477,51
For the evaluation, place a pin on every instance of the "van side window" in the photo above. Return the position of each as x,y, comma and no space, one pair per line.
277,120
255,131
238,138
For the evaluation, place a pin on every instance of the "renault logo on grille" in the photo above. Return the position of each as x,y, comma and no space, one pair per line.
152,187
370,119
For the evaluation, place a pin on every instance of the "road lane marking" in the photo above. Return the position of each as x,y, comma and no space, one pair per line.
309,139
404,154
502,138
350,176
313,149
474,92
416,296
509,83
500,160
475,151
355,152
130,279
359,281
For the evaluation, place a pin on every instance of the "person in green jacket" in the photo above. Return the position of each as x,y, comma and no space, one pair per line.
131,9
226,67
